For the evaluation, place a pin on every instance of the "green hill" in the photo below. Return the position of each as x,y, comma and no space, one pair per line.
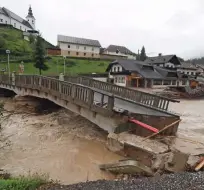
12,39
22,50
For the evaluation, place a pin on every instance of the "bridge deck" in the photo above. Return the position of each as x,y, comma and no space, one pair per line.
142,98
115,97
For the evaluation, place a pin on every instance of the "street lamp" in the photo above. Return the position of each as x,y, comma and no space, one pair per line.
8,53
64,64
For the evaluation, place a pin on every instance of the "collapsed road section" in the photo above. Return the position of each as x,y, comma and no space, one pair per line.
152,149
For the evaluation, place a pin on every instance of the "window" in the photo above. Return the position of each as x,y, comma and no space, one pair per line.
118,69
116,79
183,82
14,24
192,73
1,20
167,82
123,79
84,54
77,53
187,73
33,21
68,52
68,46
114,69
77,47
92,48
157,82
84,47
92,55
173,82
117,51
20,27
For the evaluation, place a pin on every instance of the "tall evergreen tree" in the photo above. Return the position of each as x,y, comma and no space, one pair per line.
39,55
143,55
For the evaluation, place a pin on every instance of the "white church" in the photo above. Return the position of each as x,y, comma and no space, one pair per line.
7,17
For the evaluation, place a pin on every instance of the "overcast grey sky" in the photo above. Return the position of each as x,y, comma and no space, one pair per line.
166,26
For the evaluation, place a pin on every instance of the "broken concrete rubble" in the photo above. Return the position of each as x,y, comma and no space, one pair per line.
127,167
163,155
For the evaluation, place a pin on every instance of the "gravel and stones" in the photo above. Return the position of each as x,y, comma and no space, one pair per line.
179,181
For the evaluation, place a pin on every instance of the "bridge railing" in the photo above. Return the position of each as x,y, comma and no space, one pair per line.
79,94
137,96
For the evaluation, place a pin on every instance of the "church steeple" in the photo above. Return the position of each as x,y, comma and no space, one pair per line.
30,18
30,12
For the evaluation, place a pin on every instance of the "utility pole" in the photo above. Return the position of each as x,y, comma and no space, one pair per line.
8,52
64,65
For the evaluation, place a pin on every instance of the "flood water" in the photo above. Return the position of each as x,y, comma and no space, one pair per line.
66,146
61,144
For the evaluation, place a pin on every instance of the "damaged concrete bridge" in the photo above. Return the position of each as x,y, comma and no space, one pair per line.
104,104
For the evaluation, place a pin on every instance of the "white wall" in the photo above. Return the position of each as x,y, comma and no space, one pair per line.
14,23
120,80
79,48
31,21
120,54
116,68
187,71
103,79
170,65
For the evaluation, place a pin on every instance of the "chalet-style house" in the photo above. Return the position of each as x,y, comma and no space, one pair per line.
116,52
166,61
132,73
78,47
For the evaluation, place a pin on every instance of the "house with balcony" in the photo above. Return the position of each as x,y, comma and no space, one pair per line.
138,74
78,47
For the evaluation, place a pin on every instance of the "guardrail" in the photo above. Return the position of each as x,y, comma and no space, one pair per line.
79,94
82,91
143,98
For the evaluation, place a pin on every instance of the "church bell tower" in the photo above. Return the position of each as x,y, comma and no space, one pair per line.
30,18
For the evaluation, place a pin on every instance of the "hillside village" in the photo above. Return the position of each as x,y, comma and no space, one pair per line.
115,63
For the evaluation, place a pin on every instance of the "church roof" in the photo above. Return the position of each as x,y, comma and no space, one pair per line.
14,16
80,41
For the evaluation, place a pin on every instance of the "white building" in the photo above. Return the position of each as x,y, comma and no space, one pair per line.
187,69
78,47
7,17
119,51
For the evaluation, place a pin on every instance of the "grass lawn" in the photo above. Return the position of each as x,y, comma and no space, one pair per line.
23,183
56,66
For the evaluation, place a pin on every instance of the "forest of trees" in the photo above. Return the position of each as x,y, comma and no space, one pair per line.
197,61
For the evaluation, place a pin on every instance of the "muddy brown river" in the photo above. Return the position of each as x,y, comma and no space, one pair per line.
65,146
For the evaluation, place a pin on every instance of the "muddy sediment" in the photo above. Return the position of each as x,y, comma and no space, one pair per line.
61,144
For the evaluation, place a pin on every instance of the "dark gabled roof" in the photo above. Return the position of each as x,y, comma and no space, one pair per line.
166,73
80,41
2,11
160,59
122,49
145,70
187,65
9,13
